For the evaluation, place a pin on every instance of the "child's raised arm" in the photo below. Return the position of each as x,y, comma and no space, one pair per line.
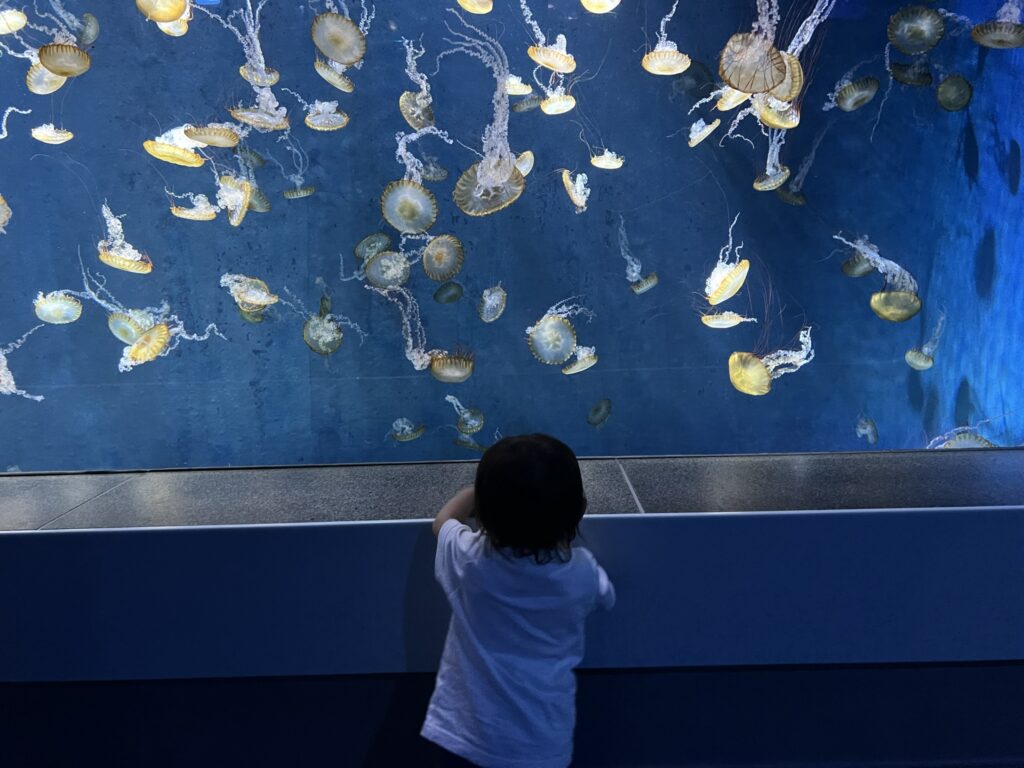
458,507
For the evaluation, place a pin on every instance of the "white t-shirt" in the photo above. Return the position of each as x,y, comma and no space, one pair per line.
505,695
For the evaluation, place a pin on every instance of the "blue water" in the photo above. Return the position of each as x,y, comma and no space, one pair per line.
932,190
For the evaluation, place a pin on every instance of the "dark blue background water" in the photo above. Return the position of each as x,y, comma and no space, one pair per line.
932,191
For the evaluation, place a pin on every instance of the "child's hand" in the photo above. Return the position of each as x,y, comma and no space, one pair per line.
458,507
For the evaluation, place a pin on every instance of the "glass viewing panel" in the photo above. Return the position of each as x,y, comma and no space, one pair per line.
265,232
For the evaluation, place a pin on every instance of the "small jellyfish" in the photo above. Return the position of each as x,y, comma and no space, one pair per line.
552,339
470,420
298,193
116,252
725,319
857,266
524,163
200,208
773,113
405,431
41,81
258,202
476,198
322,332
916,74
528,104
554,57
162,10
515,86
433,170
638,283
233,195
48,133
730,98
264,78
265,115
213,135
128,326
915,29
64,59
866,428
753,375
330,71
856,94
175,147
148,346
492,303
448,293
729,273
451,368
700,130
576,188
476,6
443,257
599,412
251,294
408,206
665,58
338,38
958,439
466,441
417,111
922,358
751,64
387,269
769,181
954,93
898,300
586,358
371,245
57,307
607,160
12,21
600,6
644,284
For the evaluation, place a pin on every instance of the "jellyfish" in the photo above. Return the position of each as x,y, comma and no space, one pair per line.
48,133
493,183
866,428
12,21
554,57
466,441
233,196
775,173
515,86
1005,31
729,273
199,209
556,99
725,319
470,420
451,367
300,167
753,375
666,58
116,252
916,74
954,93
528,104
226,135
476,6
371,245
552,339
586,358
639,283
854,95
404,430
600,6
492,303
7,383
322,331
443,257
41,81
338,38
179,28
957,439
387,269
175,147
524,163
922,358
265,115
433,170
751,64
915,29
699,130
898,300
408,206
250,294
448,293
599,412
5,215
57,307
162,10
857,266
792,193
576,188
323,116
415,106
414,335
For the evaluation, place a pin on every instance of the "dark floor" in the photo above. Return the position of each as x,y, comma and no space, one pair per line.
967,715
408,491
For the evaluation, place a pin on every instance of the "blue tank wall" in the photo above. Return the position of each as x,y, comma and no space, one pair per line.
263,398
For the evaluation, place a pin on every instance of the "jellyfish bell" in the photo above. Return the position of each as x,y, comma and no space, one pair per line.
721,320
387,269
476,6
917,74
857,94
451,368
64,59
767,182
325,116
730,99
213,135
644,284
265,115
962,437
333,75
200,210
607,160
258,202
599,412
552,339
433,171
338,38
915,29
416,110
466,441
57,308
700,130
515,86
408,206
954,93
233,194
553,57
173,154
476,197
918,359
322,334
895,306
999,34
470,421
298,193
753,375
268,77
371,245
48,133
448,293
405,431
176,28
558,103
12,21
857,266
251,294
586,358
776,114
162,10
118,260
524,163
665,59
789,89
41,81
530,103
867,429
5,215
600,6
149,345
576,188
443,257
751,64
128,327
492,303
724,283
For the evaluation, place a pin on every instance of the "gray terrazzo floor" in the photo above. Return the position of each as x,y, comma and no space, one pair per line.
414,491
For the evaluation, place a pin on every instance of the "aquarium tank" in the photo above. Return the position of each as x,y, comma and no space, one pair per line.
259,232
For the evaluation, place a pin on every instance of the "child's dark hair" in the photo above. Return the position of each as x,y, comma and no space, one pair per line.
529,496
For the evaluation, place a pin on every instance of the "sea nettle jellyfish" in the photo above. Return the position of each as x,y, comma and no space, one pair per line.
959,438
576,188
322,331
470,420
916,29
116,252
5,215
751,64
898,300
753,375
854,95
48,133
638,282
600,6
700,130
451,367
1004,31
387,269
493,183
476,6
443,257
922,358
554,56
729,273
722,320
586,358
338,38
666,58
867,429
552,339
199,208
250,294
954,93
175,147
323,116
404,430
57,307
371,245
492,303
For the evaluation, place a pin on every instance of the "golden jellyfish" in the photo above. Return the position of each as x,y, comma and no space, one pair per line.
176,148
443,258
558,102
576,188
644,284
213,135
954,93
128,327
999,34
268,77
115,251
553,57
475,198
451,368
470,420
898,301
776,114
492,303
600,6
960,438
258,202
895,306
789,89
297,193
150,344
48,133
64,59
586,358
607,160
57,308
162,10
524,163
515,86
5,215
552,339
12,21
915,29
476,6
665,59
321,332
409,207
387,269
855,95
140,266
42,81
751,64
250,294
771,180
233,195
531,103
325,116
417,111
338,38
720,320
405,431
729,273
265,115
371,245
201,209
730,99
700,130
753,375
916,74
332,75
